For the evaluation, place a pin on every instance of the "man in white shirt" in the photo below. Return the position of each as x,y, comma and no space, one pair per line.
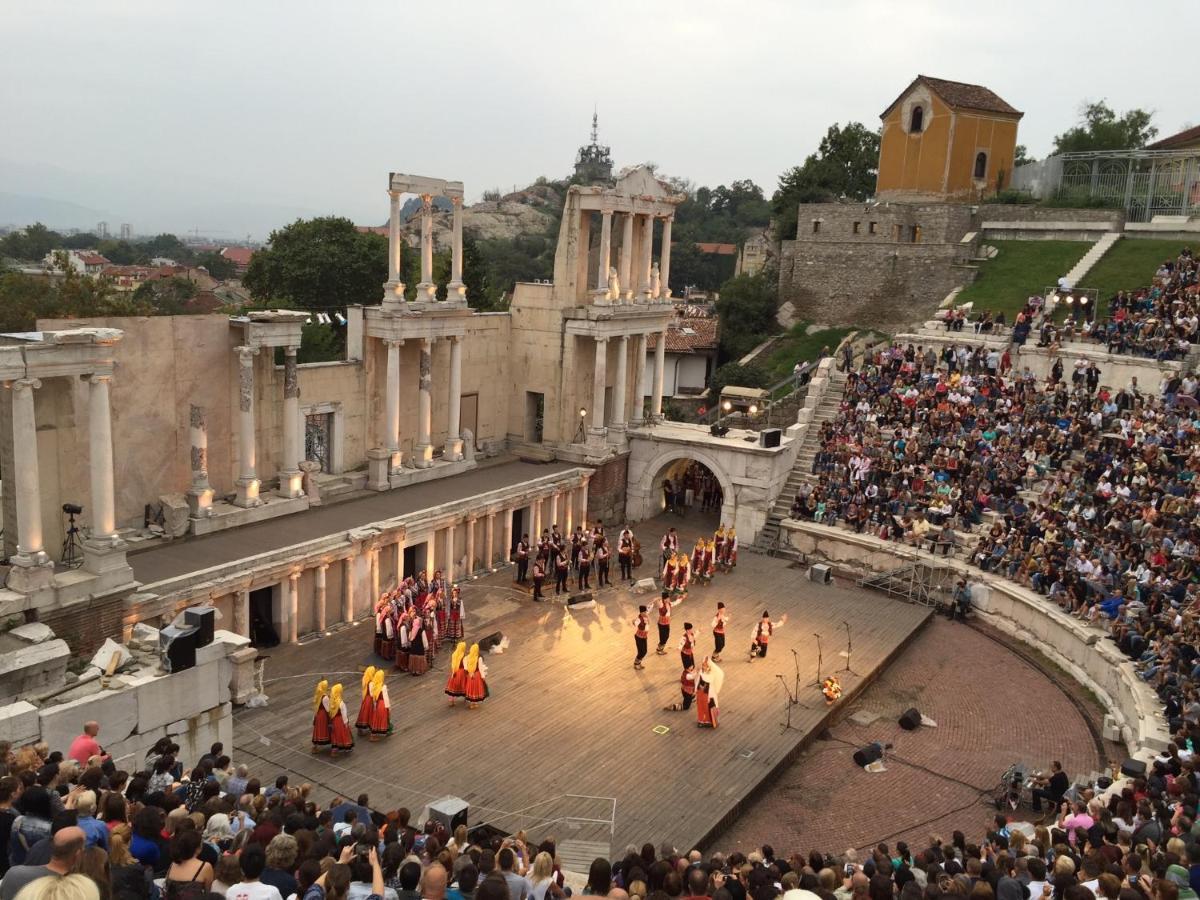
253,860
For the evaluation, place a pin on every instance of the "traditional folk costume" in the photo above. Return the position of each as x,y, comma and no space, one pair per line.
602,556
381,708
682,576
454,615
668,572
711,678
522,558
718,626
385,631
418,639
363,721
440,618
320,728
728,556
762,634
456,684
687,647
640,635
585,569
625,554
669,545
664,622
402,641
431,633
477,686
718,545
698,562
380,616
340,736
687,690
710,559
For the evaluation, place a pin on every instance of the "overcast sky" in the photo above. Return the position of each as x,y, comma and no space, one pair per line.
236,117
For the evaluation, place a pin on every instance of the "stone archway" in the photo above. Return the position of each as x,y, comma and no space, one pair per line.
643,497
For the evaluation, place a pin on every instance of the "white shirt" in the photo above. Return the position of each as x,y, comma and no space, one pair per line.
253,890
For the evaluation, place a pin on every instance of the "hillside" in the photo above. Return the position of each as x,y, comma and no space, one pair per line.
524,212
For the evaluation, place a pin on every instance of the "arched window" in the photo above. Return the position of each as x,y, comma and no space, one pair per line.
981,165
917,120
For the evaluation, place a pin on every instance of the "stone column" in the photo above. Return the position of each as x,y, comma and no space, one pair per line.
241,612
453,450
639,400
664,258
569,503
426,290
600,376
470,568
619,390
490,542
25,480
374,575
554,510
660,371
583,492
394,244
399,561
247,483
424,449
626,273
348,589
506,550
456,290
392,398
644,261
290,476
200,497
319,595
605,250
104,512
293,607
450,552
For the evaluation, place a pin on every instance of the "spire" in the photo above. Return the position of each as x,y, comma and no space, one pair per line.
595,127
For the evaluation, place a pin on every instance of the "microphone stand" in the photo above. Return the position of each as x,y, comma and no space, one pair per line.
796,694
789,700
849,649
820,660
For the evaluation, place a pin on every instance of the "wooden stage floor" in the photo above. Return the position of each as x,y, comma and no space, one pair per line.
570,728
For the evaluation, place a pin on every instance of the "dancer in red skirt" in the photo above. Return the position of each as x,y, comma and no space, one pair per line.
402,627
340,735
381,708
708,686
320,728
456,684
439,616
477,687
418,638
363,721
455,615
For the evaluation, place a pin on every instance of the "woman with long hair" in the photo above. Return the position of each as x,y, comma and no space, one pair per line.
93,863
545,887
320,727
381,708
128,878
477,687
189,877
456,684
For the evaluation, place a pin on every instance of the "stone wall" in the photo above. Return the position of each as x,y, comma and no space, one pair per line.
1016,212
606,492
85,625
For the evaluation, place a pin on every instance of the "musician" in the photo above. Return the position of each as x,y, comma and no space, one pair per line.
669,545
562,570
522,558
1052,788
625,554
539,578
585,568
601,558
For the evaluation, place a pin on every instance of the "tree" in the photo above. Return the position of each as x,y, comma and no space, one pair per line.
746,310
1021,156
166,296
122,253
845,165
217,265
32,243
319,263
750,376
1100,128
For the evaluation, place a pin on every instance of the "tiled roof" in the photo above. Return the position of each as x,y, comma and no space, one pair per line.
688,334
959,94
239,256
1183,139
93,259
719,249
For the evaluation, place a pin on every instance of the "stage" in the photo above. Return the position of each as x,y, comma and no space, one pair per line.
574,738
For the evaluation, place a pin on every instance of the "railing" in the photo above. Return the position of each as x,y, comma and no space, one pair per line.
526,820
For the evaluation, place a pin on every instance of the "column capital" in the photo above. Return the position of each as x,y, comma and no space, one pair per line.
456,200
293,576
245,354
393,342
427,203
602,339
323,566
290,350
623,338
23,383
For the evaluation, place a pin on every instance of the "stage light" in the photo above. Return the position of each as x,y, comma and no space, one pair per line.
1069,299
753,409
1083,301
582,413
727,406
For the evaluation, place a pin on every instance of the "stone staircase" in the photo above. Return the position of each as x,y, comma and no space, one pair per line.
1094,255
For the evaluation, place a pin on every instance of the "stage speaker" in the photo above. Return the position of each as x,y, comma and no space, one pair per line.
820,573
911,719
203,619
178,647
864,756
487,643
769,437
1133,768
450,812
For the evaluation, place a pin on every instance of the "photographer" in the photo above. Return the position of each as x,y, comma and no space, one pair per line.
335,884
366,876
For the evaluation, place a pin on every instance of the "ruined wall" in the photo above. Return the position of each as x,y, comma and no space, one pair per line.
606,492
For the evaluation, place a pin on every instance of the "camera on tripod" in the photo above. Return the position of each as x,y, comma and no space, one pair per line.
72,509
72,552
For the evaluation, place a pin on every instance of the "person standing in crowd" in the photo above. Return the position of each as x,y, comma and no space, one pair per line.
585,568
562,572
522,558
602,559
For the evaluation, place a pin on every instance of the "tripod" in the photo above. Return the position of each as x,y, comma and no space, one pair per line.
796,695
72,555
849,649
789,702
820,660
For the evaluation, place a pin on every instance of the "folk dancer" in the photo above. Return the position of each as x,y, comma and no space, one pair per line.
718,544
340,737
585,568
381,708
682,576
729,554
439,612
708,687
664,622
640,635
456,684
698,562
432,638
522,558
718,626
602,556
386,631
539,577
454,615
403,621
320,728
380,614
577,541
625,554
669,545
687,690
762,634
687,646
710,559
418,638
668,573
477,686
363,722
562,571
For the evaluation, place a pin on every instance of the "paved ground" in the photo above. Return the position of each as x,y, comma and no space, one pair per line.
992,708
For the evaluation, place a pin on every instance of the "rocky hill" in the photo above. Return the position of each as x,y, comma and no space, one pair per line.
529,211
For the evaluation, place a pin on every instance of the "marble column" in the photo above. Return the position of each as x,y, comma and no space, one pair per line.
320,595
449,568
664,258
424,448
583,492
200,496
639,399
605,250
290,476
374,576
241,612
247,483
626,273
426,290
453,450
599,377
619,386
644,259
104,512
660,371
569,503
348,589
25,478
399,560
293,607
456,290
392,399
554,510
490,542
469,570
506,550
394,288
535,514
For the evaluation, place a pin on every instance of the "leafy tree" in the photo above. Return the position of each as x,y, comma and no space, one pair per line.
25,299
750,376
217,265
319,263
81,241
746,310
321,343
845,164
167,245
166,296
32,243
1100,128
122,253
1021,156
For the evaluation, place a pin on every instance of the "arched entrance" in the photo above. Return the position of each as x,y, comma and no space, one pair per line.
698,488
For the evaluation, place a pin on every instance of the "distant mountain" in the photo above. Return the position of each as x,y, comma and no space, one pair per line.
25,209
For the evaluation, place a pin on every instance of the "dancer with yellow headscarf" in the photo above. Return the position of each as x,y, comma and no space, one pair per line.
340,735
477,687
456,684
381,708
320,728
363,721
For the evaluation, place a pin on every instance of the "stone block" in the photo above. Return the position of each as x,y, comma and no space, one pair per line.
38,667
162,698
116,711
143,637
176,513
645,586
33,633
241,682
19,723
104,655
